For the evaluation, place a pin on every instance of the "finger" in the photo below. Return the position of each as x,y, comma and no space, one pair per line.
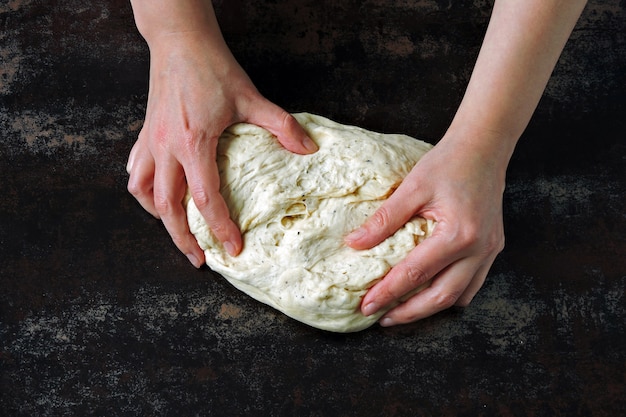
477,282
169,190
387,219
204,186
140,167
445,291
282,125
132,157
424,262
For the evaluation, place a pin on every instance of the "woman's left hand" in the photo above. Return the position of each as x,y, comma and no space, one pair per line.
461,189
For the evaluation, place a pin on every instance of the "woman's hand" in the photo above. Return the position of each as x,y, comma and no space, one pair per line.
197,90
460,182
461,190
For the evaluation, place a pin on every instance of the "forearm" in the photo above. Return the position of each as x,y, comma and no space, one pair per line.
183,34
521,47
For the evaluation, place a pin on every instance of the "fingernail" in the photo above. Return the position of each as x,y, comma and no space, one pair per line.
230,248
370,309
310,145
194,261
387,322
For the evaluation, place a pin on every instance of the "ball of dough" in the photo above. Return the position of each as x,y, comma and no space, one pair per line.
295,210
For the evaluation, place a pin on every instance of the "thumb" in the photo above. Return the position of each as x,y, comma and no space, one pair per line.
386,220
282,125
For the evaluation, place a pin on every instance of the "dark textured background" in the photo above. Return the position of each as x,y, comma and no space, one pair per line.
101,315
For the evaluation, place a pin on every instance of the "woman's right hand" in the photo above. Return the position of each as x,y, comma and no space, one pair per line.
197,89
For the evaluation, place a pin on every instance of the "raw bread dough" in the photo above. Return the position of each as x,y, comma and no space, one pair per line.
295,210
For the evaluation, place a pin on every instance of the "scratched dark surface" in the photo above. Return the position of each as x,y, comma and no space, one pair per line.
101,315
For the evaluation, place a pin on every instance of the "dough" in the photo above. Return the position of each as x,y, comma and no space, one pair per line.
295,210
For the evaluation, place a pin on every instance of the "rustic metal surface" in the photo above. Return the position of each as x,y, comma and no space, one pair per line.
101,315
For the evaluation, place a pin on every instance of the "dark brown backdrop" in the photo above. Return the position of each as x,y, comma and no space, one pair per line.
100,314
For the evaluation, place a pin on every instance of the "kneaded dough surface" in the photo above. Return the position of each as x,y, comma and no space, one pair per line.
295,210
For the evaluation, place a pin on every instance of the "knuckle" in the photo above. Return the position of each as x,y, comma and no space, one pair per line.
495,244
463,302
387,295
158,135
163,204
408,315
415,275
467,236
211,211
218,228
137,188
189,140
218,224
473,237
179,240
286,120
381,218
200,198
134,188
445,299
405,278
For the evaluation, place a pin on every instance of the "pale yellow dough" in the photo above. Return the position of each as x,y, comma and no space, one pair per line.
295,210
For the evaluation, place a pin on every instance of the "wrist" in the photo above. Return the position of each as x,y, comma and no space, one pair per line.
487,147
158,19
